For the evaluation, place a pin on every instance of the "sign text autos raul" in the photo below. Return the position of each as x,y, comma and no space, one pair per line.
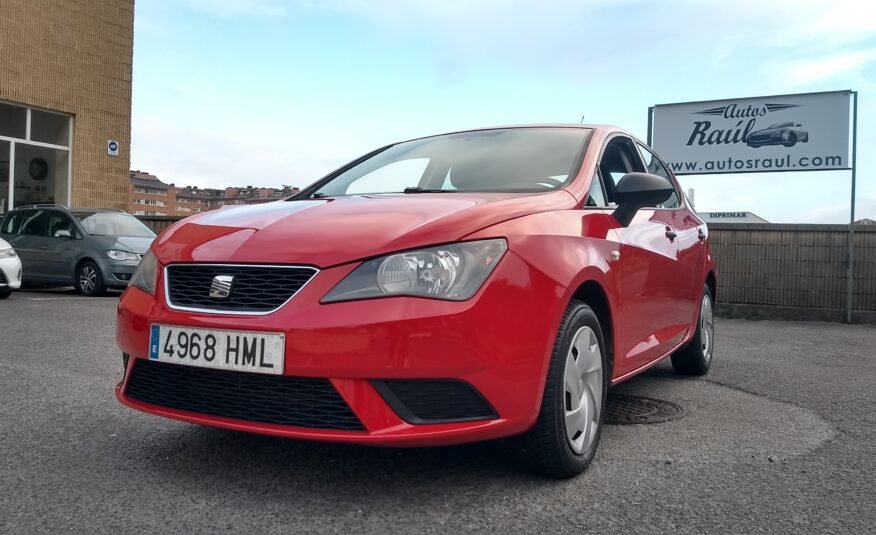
791,132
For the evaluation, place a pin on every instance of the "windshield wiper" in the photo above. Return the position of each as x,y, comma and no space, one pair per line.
417,189
318,195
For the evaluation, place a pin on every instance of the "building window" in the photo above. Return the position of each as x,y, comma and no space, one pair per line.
150,202
34,156
150,191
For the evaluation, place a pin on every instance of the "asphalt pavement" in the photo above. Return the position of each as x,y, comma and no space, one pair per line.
778,438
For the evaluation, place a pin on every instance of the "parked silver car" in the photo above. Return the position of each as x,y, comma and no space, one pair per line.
92,249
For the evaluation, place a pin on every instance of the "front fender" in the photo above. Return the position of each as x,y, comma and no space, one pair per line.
570,248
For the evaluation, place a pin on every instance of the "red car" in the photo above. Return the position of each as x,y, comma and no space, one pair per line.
462,287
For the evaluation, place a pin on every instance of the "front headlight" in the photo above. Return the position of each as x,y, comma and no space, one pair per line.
147,272
455,272
122,256
7,252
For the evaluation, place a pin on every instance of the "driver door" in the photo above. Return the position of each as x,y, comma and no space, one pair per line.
649,281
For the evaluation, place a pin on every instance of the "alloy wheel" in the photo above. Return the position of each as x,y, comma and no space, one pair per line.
707,327
87,279
582,390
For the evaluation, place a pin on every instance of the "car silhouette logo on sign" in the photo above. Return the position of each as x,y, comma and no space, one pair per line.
221,286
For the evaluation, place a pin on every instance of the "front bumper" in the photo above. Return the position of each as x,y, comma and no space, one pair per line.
10,273
117,274
498,342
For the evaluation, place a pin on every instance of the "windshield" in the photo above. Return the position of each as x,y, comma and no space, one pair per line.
511,159
113,224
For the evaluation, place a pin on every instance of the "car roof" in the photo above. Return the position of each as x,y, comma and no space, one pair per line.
603,129
65,208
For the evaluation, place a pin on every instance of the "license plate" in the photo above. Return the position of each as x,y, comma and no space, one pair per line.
244,351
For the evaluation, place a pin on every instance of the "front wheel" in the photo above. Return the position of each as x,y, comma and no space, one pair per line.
792,140
696,357
89,280
565,436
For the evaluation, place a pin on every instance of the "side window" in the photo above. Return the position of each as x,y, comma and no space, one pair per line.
618,158
33,223
595,197
59,221
656,167
11,223
391,178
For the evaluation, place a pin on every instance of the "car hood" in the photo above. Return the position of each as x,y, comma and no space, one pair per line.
327,232
124,243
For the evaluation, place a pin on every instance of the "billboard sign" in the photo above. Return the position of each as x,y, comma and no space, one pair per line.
806,132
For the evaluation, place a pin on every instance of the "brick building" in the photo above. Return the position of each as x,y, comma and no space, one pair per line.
149,196
65,96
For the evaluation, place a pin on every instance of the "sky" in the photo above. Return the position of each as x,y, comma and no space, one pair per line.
281,92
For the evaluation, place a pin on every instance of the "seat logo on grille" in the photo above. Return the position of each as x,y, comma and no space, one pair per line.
221,286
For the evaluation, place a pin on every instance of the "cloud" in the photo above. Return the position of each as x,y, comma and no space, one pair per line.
846,63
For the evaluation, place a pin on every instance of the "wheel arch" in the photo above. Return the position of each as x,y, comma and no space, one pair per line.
712,283
593,294
75,275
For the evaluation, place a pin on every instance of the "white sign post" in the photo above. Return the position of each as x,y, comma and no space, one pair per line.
805,132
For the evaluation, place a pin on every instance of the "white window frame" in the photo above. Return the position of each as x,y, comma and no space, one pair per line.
13,141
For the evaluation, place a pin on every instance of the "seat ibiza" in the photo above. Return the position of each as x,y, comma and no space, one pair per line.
455,288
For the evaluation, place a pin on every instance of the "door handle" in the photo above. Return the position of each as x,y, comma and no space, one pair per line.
44,248
671,234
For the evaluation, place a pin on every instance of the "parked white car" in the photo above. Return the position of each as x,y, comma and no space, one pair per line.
10,269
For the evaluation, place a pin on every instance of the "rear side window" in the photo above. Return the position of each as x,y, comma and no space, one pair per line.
11,223
654,166
33,223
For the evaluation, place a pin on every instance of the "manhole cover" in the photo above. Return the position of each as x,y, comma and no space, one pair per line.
625,410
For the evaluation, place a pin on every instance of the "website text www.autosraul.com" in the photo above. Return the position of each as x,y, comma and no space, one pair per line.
776,163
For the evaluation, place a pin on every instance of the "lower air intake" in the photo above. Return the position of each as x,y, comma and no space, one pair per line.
271,399
432,401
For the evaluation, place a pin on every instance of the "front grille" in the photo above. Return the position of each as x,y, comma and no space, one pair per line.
271,399
429,401
254,289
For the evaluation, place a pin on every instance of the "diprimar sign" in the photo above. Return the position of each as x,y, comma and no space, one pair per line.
806,132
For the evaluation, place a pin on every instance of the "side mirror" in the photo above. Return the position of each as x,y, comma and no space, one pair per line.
635,191
63,233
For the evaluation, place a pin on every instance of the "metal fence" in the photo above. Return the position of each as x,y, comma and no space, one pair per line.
158,222
794,265
800,267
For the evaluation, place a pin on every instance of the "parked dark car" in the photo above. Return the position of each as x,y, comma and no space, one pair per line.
787,134
90,248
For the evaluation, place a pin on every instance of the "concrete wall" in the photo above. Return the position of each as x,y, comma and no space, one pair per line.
75,56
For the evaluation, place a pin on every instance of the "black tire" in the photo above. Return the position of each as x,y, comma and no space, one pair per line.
89,280
792,140
696,357
5,293
546,449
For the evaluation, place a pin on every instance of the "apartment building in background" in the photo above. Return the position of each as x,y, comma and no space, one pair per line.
150,196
